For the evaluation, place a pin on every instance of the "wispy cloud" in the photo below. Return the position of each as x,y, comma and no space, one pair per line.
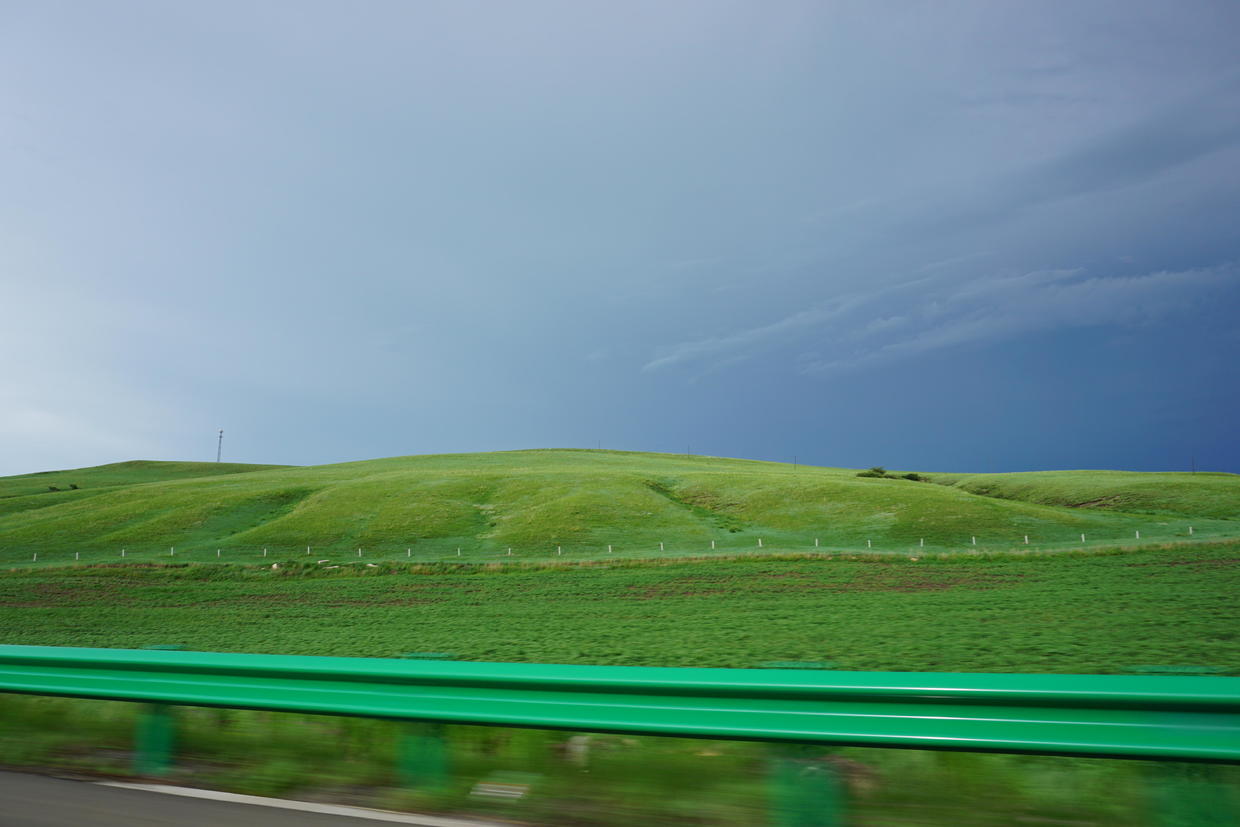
894,324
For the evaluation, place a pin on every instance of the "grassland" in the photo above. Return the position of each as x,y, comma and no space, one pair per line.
578,503
867,596
1036,613
1074,612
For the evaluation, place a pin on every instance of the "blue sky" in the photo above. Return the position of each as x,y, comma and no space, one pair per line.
935,236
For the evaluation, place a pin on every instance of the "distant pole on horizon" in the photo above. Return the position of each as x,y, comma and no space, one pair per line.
219,446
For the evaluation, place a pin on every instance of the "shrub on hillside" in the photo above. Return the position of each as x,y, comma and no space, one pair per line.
882,473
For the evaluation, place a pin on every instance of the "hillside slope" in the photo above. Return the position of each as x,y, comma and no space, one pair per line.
134,472
583,501
1205,494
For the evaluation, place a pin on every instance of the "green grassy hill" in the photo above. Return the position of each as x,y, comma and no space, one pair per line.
135,472
582,501
1205,494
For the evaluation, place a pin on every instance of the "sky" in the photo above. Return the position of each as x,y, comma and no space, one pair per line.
954,236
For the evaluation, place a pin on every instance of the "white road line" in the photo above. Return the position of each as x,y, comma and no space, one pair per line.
304,806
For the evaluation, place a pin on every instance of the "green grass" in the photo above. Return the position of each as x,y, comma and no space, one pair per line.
869,596
642,505
1017,613
136,472
1073,612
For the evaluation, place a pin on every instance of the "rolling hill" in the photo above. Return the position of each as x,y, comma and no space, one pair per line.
582,501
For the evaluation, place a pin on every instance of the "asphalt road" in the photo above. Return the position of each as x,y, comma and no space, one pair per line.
39,801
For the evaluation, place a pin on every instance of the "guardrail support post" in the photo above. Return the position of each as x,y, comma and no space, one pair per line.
803,792
153,736
423,756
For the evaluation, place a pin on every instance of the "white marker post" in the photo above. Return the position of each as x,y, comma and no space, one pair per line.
510,551
217,552
77,555
759,542
458,551
869,544
307,550
922,542
359,552
35,559
559,550
122,552
1026,539
1190,529
1138,534
609,548
264,552
1082,538
172,552
974,541
408,552
660,545
712,545
815,542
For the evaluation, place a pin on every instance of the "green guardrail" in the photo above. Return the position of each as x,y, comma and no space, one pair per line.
1171,718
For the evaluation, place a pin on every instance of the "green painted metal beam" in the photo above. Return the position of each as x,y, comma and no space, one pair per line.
1127,716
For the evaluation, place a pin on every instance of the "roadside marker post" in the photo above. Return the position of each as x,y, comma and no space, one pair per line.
1082,538
1190,529
922,542
359,552
974,541
1138,534
172,552
35,559
759,542
815,542
122,552
510,551
558,550
712,545
458,551
1026,539
77,555
217,552
609,549
408,552
660,545
869,544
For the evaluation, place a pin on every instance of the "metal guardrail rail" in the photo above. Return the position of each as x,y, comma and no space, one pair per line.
1113,716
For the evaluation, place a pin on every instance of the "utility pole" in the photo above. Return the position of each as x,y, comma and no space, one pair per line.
219,446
